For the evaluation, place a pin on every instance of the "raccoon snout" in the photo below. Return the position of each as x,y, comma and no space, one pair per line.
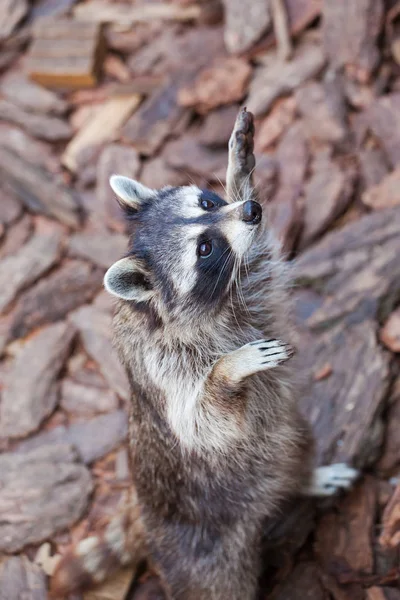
251,212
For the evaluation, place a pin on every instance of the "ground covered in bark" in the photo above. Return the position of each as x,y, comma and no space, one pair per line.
151,90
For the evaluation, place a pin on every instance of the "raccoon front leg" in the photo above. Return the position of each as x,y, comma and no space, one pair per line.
252,358
241,163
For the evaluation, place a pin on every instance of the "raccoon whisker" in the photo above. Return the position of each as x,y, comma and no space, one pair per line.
222,270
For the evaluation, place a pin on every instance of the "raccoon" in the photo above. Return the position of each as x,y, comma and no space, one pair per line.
217,441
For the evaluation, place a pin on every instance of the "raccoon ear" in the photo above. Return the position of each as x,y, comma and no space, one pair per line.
126,279
130,192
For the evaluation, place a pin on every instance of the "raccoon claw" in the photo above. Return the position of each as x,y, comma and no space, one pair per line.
253,358
272,352
329,480
241,143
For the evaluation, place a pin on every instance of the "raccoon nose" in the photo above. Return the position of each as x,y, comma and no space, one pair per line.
252,212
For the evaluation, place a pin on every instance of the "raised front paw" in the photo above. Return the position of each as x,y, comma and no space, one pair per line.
241,143
254,357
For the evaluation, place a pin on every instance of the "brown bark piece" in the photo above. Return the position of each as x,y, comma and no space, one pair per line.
30,149
383,118
92,438
115,588
31,261
323,110
278,79
187,155
282,115
115,159
38,189
95,329
344,538
156,174
217,127
102,127
245,23
53,297
303,582
11,207
74,62
285,210
222,83
373,166
385,194
84,400
390,536
47,128
350,32
391,451
155,120
12,12
357,269
344,408
383,593
327,195
30,394
100,248
30,96
19,578
51,489
16,235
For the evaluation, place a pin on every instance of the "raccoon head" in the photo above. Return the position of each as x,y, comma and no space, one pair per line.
186,247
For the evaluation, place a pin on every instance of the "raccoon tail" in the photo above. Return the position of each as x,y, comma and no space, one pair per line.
93,559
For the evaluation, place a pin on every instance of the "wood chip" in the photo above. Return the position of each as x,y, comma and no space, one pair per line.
115,158
385,194
30,393
19,578
31,261
285,211
222,83
101,128
323,372
84,400
38,189
95,328
155,120
374,166
74,62
187,155
279,79
327,195
45,560
42,126
99,11
345,538
390,332
12,12
391,452
350,34
92,438
383,118
53,297
115,588
344,409
356,267
30,96
275,124
390,536
245,24
281,28
16,236
322,107
217,127
101,249
52,491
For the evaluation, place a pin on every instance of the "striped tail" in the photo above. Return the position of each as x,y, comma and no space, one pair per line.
95,558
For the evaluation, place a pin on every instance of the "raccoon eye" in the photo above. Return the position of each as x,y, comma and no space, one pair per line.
205,249
207,204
